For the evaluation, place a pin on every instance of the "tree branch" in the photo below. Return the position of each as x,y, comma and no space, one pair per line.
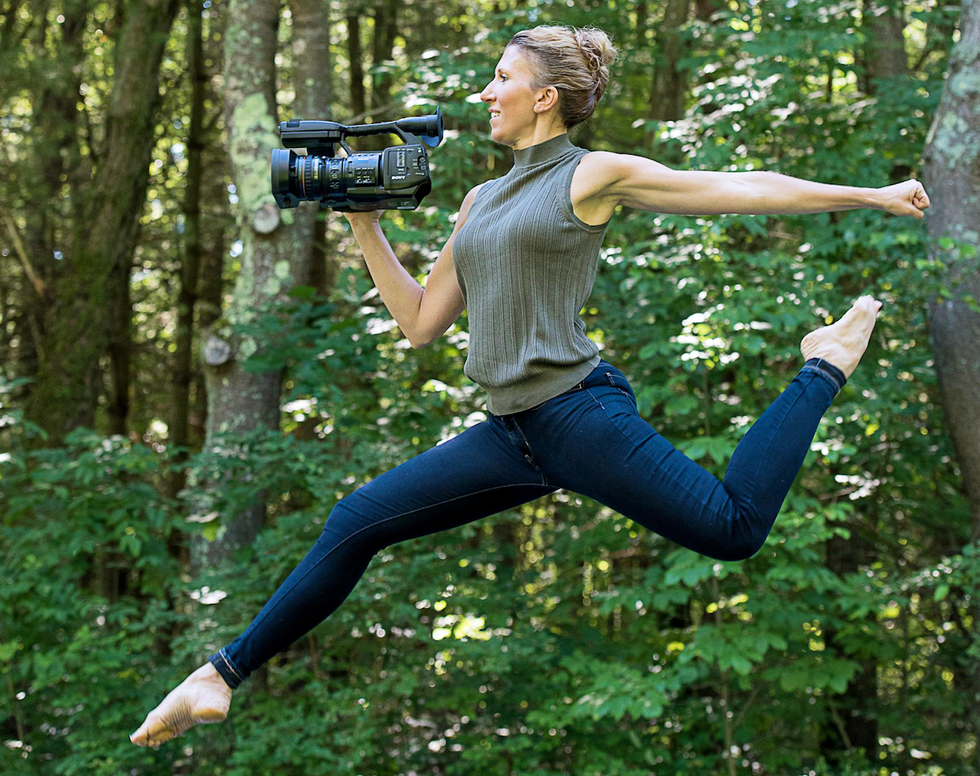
925,53
840,724
39,285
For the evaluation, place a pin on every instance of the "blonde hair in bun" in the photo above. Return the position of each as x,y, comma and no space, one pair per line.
573,60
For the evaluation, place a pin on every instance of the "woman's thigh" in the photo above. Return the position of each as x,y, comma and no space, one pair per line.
594,442
475,474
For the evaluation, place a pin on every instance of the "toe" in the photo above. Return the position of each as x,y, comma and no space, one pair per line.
873,306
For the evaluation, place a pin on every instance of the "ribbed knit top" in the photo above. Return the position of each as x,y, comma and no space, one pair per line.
526,265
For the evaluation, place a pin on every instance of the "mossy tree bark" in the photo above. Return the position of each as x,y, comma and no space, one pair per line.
952,178
275,252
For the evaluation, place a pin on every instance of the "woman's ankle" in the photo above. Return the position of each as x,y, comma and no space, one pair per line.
828,370
226,669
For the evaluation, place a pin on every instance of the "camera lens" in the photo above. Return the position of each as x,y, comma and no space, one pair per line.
297,178
283,166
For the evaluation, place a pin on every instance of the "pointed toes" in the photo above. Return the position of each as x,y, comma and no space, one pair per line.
145,736
869,303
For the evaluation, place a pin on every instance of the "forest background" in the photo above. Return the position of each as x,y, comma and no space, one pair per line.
191,379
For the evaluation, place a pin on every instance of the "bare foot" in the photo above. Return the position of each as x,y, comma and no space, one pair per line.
844,342
202,698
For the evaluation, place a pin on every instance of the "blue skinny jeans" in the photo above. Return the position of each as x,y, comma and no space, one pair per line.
589,440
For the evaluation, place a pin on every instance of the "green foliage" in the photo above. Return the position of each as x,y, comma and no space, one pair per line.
72,517
558,637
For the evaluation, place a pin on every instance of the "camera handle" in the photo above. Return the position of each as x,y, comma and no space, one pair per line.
319,137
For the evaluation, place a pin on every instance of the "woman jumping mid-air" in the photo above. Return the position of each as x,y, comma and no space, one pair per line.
522,260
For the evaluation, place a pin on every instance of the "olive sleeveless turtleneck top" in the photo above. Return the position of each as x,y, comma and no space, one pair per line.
526,265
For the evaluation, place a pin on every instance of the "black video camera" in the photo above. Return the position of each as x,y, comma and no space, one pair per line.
393,178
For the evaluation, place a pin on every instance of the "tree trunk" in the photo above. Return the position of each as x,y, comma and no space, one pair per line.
314,100
705,9
358,100
209,309
885,56
951,164
120,344
952,178
55,152
240,402
387,25
883,22
669,88
191,265
187,295
79,322
215,215
855,724
7,30
312,68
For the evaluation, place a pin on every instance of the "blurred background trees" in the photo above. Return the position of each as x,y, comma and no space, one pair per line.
191,378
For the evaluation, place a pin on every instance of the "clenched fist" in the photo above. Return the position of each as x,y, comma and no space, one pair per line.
908,198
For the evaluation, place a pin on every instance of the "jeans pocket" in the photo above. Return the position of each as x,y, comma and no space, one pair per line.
621,384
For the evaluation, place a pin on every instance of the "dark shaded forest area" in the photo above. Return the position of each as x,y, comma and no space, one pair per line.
190,380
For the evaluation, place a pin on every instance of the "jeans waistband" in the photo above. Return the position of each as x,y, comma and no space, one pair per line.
604,374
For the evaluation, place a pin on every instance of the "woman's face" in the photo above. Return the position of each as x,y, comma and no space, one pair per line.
510,93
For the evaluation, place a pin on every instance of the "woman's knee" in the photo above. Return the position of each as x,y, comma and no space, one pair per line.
748,544
347,523
746,536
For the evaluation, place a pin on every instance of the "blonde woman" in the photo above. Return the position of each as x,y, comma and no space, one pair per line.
522,259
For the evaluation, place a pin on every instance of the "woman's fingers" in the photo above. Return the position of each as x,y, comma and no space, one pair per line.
906,198
923,197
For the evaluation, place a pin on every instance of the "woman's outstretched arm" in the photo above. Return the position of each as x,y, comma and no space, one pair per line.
638,182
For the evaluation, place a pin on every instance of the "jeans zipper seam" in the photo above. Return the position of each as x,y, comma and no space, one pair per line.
530,458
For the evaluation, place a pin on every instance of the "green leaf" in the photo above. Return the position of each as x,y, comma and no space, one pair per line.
304,293
741,665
